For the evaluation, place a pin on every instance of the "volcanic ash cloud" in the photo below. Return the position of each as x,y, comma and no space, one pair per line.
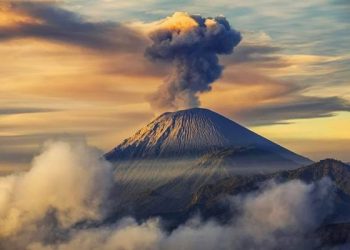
191,45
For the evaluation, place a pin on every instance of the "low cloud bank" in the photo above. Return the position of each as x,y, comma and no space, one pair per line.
70,183
67,183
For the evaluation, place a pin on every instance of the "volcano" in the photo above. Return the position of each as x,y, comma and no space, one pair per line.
161,166
197,132
186,163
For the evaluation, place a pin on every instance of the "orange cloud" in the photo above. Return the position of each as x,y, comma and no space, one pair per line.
10,18
81,90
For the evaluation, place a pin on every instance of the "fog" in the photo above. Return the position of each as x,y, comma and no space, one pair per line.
55,205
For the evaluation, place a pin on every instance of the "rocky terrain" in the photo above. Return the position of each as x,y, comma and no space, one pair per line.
187,163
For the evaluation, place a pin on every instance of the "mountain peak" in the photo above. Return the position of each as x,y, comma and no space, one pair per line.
191,133
329,163
190,111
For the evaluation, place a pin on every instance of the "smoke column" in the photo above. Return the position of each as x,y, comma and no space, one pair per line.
191,45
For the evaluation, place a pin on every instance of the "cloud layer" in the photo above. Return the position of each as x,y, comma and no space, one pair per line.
46,20
279,217
61,202
90,69
67,183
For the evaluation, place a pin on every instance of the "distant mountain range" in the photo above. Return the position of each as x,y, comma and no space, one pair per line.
337,171
167,200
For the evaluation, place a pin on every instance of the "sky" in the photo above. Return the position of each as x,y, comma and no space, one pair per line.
77,70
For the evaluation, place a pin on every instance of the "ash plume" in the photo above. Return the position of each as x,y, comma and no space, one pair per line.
191,45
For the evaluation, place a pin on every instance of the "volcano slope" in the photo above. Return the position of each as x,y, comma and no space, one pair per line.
163,164
185,163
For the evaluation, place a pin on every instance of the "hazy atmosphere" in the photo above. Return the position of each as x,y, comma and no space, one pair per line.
81,69
174,125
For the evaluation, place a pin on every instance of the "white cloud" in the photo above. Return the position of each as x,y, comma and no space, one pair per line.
70,183
67,179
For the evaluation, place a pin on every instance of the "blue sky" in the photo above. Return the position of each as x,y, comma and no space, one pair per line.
315,25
